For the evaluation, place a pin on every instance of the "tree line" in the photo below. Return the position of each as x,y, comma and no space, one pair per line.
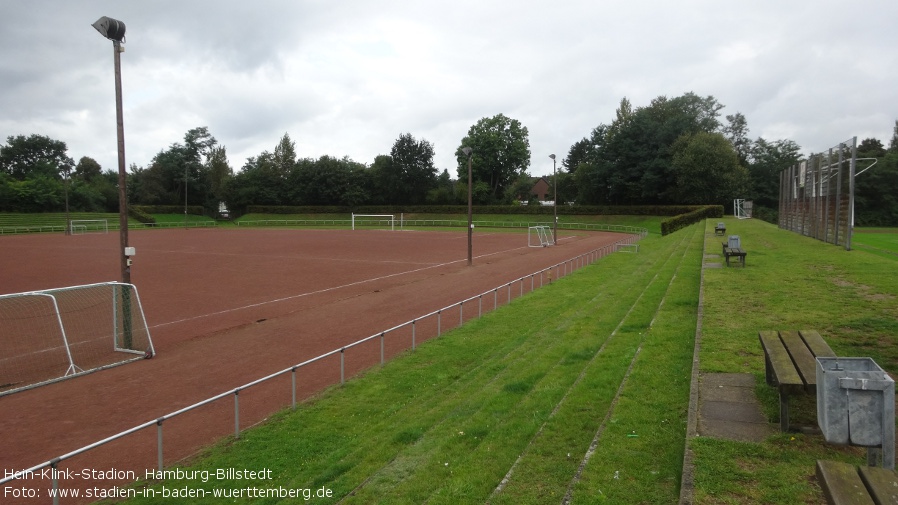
672,151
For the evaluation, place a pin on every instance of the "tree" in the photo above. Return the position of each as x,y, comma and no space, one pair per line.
219,173
284,158
736,132
766,161
411,170
87,169
707,170
893,144
630,161
36,155
501,152
870,148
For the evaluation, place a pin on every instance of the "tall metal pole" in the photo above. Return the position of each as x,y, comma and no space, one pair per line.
468,151
554,203
122,190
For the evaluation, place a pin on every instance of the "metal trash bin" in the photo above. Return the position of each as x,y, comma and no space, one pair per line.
856,405
734,242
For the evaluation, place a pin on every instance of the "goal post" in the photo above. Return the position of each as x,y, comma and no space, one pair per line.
79,226
374,220
539,236
51,335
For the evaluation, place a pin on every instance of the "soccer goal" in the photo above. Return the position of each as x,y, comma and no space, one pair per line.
50,335
539,236
374,220
742,208
79,226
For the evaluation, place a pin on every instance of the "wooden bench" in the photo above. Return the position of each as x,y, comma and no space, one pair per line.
846,484
720,229
790,365
736,252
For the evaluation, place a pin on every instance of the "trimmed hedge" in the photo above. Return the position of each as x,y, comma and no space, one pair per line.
675,223
196,210
138,214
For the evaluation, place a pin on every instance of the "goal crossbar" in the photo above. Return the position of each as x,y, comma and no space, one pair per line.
374,220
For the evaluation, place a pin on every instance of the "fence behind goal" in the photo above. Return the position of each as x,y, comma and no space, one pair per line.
50,335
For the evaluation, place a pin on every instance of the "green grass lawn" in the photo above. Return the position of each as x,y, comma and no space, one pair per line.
880,241
790,282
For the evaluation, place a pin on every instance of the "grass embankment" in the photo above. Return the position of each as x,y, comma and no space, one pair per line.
879,241
597,363
790,282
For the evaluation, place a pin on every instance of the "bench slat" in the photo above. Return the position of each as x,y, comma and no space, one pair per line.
841,484
784,376
881,483
802,357
816,343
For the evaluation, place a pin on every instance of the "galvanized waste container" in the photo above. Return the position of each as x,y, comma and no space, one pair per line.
856,404
734,242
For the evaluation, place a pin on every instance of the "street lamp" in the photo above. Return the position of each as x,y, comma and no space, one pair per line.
468,151
68,219
114,30
554,202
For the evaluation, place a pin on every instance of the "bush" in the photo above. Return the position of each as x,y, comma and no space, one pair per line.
675,223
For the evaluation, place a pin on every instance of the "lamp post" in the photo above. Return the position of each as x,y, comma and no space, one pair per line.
468,151
554,202
114,30
68,220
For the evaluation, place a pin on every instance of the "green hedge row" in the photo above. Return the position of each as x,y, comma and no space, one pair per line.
675,223
196,210
140,215
589,210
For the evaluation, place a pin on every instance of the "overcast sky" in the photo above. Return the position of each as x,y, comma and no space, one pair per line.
348,77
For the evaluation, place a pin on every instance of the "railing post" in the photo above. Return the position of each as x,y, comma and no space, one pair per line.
461,313
413,334
237,413
54,470
159,441
532,280
509,292
342,367
495,298
439,322
480,306
382,348
293,381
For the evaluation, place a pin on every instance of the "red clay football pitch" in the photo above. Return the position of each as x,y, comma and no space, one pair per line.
228,306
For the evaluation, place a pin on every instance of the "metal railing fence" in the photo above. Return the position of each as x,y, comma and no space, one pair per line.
504,293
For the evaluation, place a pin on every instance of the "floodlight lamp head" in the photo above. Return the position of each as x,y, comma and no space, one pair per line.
552,156
112,29
467,151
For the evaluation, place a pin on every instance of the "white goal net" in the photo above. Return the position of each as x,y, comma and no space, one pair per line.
78,226
50,335
539,236
374,221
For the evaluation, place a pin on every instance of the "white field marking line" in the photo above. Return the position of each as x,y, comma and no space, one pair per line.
326,290
598,436
505,480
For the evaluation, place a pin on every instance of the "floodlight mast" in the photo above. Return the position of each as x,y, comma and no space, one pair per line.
555,202
114,30
468,151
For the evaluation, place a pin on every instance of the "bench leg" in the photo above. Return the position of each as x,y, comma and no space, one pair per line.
784,412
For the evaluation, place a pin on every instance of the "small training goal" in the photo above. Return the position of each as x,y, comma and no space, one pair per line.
539,236
50,335
374,221
79,226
